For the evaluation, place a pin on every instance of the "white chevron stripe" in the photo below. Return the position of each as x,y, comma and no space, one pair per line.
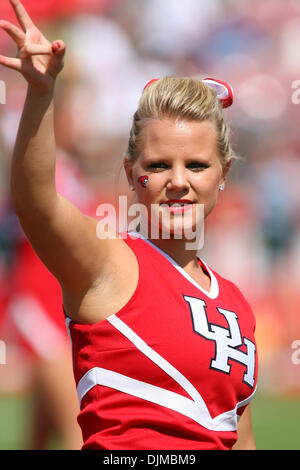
174,401
194,407
157,359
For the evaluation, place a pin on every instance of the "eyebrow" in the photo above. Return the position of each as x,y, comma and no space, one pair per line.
198,157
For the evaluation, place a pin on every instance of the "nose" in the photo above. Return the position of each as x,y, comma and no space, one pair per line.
178,180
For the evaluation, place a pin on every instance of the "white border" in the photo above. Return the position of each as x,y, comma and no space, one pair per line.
214,287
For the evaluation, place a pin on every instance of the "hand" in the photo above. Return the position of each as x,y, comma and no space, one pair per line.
38,60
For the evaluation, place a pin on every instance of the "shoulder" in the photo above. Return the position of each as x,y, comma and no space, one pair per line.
231,287
228,285
230,292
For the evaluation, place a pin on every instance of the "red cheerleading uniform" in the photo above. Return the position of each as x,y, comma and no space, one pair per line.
173,369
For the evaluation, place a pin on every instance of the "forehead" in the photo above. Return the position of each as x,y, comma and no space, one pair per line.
169,135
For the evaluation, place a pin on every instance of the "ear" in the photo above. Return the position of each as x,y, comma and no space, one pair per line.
225,170
128,170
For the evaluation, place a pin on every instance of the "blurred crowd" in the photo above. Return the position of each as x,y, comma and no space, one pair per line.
113,48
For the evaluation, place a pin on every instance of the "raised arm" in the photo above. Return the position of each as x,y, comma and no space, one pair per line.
63,237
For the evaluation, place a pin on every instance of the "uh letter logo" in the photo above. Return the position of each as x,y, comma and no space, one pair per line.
228,340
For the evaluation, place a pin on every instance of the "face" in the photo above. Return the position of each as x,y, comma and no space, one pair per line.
181,161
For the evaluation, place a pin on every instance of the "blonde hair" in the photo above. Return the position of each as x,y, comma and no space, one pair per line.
179,98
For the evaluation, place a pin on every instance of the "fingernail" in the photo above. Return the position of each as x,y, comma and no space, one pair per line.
55,46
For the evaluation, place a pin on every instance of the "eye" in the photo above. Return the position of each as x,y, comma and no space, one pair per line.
197,166
156,166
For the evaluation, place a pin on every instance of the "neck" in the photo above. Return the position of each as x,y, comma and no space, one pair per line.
183,250
185,258
176,249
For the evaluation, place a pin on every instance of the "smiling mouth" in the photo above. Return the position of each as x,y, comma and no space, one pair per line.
177,202
177,206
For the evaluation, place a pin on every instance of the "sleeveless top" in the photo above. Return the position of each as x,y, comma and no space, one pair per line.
173,369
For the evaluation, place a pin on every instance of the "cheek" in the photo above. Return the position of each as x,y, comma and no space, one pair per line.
208,185
139,177
209,191
145,193
146,186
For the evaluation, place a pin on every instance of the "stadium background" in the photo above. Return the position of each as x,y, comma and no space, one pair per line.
253,237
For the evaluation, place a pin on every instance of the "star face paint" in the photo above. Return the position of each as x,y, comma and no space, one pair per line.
143,180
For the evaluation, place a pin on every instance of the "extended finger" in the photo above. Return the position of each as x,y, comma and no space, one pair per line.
10,62
35,49
58,47
15,33
22,15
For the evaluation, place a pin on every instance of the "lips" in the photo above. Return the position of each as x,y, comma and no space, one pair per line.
178,202
177,205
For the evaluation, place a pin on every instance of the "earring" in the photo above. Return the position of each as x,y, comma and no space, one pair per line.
222,187
131,187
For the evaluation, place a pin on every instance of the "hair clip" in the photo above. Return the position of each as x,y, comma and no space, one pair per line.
224,90
149,82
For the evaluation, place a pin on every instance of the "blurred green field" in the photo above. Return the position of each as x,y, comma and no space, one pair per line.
276,422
